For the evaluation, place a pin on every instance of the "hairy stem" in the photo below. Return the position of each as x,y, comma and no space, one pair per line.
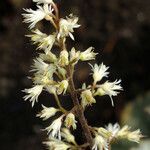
80,111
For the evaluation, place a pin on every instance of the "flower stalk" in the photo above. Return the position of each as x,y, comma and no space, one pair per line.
47,64
59,104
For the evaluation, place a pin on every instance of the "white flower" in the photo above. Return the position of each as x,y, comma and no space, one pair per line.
43,1
63,60
54,128
39,65
37,36
70,121
47,112
34,16
44,72
88,54
47,43
100,143
124,133
62,87
103,132
135,136
114,129
67,25
54,144
99,72
44,41
44,79
109,88
66,134
49,57
74,55
33,93
87,98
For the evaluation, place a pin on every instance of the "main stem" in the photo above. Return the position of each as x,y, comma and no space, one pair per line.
79,110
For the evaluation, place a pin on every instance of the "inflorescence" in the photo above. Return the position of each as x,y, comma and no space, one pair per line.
54,73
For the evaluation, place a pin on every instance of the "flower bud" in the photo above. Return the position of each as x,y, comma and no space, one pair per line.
62,87
63,61
87,54
74,56
47,112
87,98
70,121
66,134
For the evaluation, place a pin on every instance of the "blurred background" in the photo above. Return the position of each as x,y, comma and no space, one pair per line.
120,33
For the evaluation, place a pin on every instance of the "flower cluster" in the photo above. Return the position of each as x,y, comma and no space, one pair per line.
104,136
107,88
53,73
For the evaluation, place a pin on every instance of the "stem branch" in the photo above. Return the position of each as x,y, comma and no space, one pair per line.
59,104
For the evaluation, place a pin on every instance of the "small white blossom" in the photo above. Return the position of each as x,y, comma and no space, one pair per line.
54,144
39,65
124,133
34,16
62,87
47,43
33,93
87,98
74,56
44,78
135,136
103,132
114,129
99,72
37,36
43,1
100,143
66,134
70,121
88,54
49,57
44,72
44,41
109,88
63,60
54,128
67,25
47,112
